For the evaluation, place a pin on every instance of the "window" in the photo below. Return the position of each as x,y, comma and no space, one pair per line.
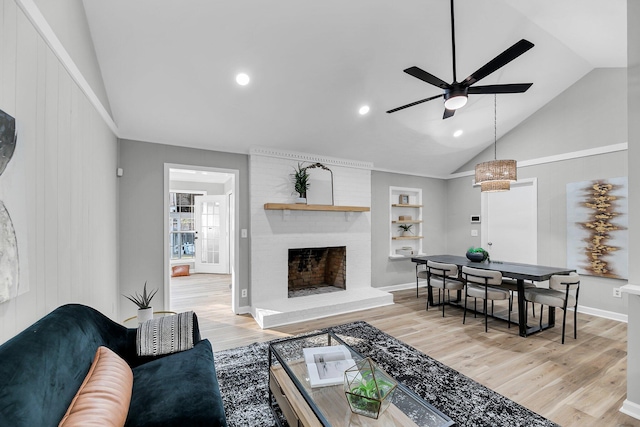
182,224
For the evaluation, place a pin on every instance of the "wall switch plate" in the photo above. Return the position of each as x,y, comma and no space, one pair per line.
243,233
244,293
474,233
617,293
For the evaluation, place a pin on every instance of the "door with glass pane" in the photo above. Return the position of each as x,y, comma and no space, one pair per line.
211,245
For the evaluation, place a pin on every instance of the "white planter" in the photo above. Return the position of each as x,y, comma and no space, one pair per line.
301,200
145,314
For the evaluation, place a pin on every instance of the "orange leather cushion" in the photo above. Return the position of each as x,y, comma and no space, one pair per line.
104,396
179,270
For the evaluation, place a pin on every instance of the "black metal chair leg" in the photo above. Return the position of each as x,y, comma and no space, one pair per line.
575,322
464,315
541,316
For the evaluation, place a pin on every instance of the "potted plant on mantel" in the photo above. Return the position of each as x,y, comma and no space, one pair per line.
300,178
145,311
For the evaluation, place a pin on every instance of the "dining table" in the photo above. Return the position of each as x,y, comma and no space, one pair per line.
517,271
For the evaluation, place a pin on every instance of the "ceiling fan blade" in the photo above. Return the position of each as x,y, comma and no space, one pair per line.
448,113
427,77
499,61
414,103
506,88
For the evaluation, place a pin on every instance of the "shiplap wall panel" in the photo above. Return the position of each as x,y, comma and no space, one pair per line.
69,156
64,185
26,106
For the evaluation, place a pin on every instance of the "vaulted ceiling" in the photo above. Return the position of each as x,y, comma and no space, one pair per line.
169,69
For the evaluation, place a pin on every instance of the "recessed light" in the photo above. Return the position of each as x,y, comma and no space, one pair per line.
458,133
242,79
364,110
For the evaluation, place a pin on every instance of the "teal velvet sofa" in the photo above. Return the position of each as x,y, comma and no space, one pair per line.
42,368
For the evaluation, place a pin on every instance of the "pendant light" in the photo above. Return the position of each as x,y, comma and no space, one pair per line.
496,175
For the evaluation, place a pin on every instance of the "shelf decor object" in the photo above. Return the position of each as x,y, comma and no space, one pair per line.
368,388
496,175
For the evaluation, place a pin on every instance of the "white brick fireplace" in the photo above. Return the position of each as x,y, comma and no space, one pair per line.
274,232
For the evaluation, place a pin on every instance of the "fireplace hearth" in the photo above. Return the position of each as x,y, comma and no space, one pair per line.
317,270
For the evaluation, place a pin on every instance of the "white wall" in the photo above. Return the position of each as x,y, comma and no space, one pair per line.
65,160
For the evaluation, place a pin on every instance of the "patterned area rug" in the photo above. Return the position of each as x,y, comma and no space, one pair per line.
243,376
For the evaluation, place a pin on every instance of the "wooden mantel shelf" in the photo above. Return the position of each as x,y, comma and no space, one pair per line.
304,207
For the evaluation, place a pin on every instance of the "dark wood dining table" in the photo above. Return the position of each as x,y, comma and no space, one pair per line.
517,271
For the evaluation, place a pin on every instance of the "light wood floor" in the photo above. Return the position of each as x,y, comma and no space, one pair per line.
581,383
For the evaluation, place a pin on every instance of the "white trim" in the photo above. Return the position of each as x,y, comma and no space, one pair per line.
245,309
235,285
630,289
311,158
41,25
630,408
400,287
606,149
612,315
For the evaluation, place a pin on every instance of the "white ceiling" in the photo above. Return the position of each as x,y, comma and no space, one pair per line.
169,69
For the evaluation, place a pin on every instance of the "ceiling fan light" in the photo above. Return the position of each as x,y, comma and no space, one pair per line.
455,102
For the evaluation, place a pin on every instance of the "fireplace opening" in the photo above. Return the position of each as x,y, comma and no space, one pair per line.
317,270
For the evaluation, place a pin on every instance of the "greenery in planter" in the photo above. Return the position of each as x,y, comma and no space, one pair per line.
406,228
485,254
300,178
368,388
142,301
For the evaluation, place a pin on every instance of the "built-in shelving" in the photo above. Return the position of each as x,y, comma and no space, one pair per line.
407,203
305,207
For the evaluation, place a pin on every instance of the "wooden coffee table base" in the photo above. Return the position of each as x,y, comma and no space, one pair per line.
298,413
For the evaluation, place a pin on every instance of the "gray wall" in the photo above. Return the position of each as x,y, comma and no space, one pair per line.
633,331
386,272
68,21
142,213
574,121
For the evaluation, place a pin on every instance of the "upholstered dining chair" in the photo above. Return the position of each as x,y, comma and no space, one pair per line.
483,284
443,277
559,294
512,286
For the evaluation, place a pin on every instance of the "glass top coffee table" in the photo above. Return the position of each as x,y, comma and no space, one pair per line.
290,389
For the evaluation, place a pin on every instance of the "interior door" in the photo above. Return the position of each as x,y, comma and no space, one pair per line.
212,235
510,223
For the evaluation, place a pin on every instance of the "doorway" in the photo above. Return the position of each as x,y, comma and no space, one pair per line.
510,223
201,213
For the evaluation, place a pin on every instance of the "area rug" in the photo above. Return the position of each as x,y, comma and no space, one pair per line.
243,377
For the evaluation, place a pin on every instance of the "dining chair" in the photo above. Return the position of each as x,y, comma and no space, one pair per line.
512,286
483,284
443,277
559,294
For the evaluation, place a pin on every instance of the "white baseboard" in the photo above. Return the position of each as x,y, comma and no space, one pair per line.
244,310
400,287
630,408
603,313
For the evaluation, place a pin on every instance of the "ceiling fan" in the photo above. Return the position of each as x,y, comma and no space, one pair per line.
455,94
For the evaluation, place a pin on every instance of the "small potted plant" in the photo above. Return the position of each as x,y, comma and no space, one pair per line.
478,255
145,311
300,178
406,229
368,388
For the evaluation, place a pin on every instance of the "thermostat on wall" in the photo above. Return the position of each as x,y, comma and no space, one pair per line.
475,219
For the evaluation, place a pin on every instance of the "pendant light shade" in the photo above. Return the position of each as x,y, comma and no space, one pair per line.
496,175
